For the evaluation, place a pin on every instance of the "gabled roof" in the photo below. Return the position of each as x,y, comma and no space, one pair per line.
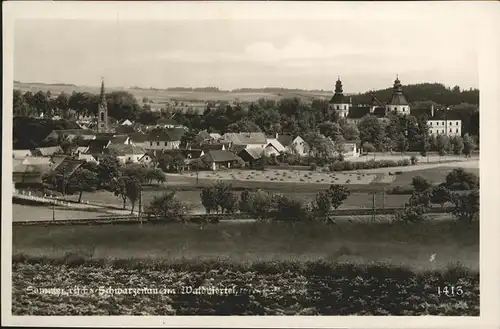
138,137
446,115
166,135
252,153
37,160
204,135
211,146
20,153
215,136
96,146
246,138
285,139
276,144
220,156
47,151
124,149
77,132
379,112
357,112
119,139
420,113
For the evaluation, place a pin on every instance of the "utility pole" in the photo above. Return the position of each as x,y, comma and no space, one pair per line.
140,206
373,207
54,209
383,199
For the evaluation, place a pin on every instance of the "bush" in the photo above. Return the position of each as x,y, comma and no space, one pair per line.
413,160
166,207
414,213
313,166
400,190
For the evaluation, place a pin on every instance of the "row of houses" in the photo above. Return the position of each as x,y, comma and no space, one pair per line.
215,150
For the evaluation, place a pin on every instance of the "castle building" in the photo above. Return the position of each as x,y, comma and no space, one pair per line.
398,101
441,121
102,117
339,102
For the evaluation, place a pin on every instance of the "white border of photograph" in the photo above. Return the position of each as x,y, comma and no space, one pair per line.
485,14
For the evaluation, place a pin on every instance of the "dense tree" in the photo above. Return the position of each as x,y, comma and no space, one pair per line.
371,131
440,195
442,144
108,171
166,207
466,205
19,106
459,179
468,145
83,180
122,105
220,198
420,184
456,145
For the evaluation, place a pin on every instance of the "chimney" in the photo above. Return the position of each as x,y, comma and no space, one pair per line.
432,110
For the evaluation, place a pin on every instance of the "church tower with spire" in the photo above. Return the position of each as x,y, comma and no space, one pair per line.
398,102
102,116
339,102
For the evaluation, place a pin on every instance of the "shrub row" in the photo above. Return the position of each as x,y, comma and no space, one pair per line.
408,190
370,164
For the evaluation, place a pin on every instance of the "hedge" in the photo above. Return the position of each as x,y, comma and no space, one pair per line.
370,164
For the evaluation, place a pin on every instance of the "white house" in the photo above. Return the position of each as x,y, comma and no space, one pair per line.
296,145
165,139
126,153
246,140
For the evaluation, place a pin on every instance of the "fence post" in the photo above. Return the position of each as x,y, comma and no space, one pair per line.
373,207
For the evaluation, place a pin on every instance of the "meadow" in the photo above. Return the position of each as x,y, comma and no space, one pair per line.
363,243
264,269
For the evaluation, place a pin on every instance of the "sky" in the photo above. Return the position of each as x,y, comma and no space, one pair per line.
307,54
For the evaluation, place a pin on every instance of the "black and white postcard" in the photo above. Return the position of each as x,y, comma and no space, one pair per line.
300,164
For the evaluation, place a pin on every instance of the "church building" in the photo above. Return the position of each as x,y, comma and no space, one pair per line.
339,102
398,101
102,117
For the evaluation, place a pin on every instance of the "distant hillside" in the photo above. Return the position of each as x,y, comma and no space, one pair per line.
424,92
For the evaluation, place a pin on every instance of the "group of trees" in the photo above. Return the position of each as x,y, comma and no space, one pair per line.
123,180
460,189
264,205
121,104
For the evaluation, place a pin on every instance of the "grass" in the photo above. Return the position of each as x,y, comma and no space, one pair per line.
362,243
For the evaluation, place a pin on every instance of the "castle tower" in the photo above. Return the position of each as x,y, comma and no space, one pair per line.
398,102
338,102
102,116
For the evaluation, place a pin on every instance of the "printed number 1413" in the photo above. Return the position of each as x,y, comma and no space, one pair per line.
450,291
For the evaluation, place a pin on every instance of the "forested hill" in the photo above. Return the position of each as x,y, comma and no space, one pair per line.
423,92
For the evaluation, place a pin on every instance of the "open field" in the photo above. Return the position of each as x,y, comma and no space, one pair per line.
398,244
75,286
287,176
164,96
